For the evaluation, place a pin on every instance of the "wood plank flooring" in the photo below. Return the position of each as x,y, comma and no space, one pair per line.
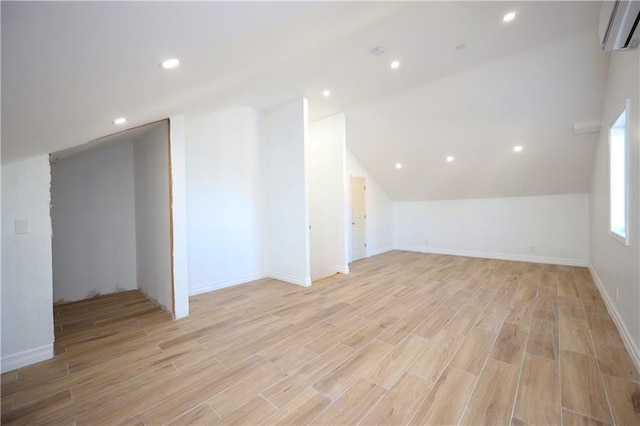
405,338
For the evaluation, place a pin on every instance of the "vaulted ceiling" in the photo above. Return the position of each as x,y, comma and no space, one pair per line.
69,69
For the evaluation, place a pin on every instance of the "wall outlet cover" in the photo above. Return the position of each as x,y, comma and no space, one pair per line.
22,226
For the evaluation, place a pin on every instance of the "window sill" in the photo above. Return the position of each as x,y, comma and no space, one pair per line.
619,238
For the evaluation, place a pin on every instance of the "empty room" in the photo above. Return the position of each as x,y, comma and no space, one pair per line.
320,213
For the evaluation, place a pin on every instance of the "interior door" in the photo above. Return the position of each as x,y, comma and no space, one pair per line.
358,217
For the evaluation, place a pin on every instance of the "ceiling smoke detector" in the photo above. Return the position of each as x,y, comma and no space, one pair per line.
378,50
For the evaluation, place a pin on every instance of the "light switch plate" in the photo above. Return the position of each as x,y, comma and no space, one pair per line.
22,226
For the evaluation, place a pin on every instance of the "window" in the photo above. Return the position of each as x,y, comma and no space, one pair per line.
618,172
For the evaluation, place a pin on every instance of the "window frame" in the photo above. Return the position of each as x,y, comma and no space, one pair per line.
623,239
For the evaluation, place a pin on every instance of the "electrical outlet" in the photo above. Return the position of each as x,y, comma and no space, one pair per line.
532,248
617,293
426,242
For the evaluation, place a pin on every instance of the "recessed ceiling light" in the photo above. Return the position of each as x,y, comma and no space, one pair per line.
450,158
398,165
517,148
326,93
509,17
170,63
120,120
395,64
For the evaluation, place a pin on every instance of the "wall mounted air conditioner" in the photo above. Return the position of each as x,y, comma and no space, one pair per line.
619,27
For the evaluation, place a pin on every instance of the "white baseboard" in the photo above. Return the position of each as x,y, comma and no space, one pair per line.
28,357
205,288
632,348
374,252
304,282
332,272
500,256
181,314
344,269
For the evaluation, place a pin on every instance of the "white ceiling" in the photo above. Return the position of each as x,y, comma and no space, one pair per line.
69,69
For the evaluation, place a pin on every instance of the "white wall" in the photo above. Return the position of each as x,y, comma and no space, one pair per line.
153,235
27,298
328,213
614,265
224,211
284,135
94,223
378,208
475,116
177,138
556,226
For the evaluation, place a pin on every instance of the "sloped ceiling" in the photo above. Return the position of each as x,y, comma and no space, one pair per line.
530,99
69,69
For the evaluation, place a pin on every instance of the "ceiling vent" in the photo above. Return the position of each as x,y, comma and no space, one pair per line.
619,28
586,127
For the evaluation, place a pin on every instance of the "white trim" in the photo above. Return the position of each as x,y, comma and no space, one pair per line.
304,282
28,357
245,279
624,240
342,269
632,349
205,288
501,256
336,270
375,252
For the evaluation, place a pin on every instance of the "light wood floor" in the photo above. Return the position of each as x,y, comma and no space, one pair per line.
405,338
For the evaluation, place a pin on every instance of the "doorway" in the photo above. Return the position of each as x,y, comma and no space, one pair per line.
111,217
358,218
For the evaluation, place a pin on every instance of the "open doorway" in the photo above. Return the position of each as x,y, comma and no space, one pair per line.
111,217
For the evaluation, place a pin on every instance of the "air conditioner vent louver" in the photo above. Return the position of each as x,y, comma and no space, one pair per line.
619,28
634,38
